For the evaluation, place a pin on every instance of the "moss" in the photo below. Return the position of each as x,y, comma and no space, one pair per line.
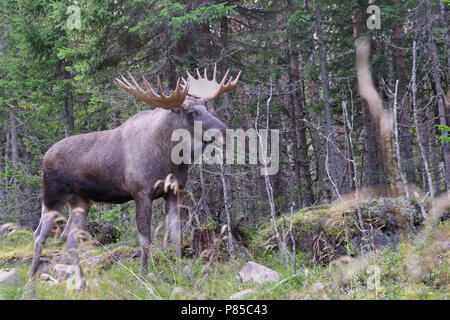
119,253
334,230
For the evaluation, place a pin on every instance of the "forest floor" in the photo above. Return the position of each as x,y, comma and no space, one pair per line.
328,263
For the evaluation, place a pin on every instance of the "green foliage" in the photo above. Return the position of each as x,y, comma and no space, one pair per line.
446,129
179,15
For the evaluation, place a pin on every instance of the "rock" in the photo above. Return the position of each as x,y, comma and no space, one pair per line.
88,254
63,271
9,278
48,279
254,272
103,232
241,294
93,261
117,254
90,258
60,258
45,265
8,228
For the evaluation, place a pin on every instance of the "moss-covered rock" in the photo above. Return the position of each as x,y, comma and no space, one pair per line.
103,232
112,256
327,232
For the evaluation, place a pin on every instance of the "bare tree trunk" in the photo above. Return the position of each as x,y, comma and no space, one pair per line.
434,153
228,216
404,125
302,159
440,93
2,181
326,100
226,107
281,244
68,102
323,191
416,121
14,159
445,19
374,171
13,141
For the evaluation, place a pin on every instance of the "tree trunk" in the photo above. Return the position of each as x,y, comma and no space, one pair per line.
439,181
323,192
2,181
202,240
326,100
301,147
416,121
374,172
440,93
404,123
14,160
226,107
68,101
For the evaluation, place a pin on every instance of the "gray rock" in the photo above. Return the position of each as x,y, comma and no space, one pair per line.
93,261
60,258
254,272
241,294
88,254
48,279
9,278
63,271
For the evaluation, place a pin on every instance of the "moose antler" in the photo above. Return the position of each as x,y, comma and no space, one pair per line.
149,96
207,90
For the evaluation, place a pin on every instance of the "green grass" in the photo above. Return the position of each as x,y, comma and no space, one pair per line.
416,269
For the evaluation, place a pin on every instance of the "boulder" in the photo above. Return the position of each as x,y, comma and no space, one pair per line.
254,272
9,278
45,277
117,254
103,232
63,272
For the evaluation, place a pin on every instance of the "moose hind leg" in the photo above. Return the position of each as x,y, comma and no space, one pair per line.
66,228
173,211
79,210
143,222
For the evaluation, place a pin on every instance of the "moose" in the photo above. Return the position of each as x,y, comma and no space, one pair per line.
127,163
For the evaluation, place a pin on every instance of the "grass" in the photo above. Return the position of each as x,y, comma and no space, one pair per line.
418,268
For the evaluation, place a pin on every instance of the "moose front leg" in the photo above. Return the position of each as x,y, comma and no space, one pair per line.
143,221
173,210
40,236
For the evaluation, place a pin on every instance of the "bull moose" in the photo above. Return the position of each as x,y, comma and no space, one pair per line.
126,163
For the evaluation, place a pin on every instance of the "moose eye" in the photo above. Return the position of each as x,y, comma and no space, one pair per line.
191,114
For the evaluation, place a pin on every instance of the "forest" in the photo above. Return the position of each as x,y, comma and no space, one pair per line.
358,206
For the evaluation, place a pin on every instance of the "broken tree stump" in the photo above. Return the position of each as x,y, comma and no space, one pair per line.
202,239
